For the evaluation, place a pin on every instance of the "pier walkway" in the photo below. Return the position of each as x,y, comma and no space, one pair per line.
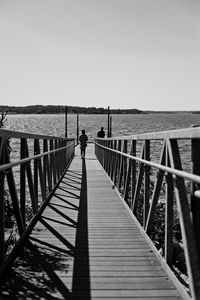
87,245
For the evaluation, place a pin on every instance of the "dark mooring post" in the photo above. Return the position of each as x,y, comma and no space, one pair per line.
108,133
77,127
66,121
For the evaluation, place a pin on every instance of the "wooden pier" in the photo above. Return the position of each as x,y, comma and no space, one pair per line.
87,245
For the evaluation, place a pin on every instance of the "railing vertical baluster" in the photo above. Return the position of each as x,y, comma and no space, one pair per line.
41,176
23,144
56,161
125,164
68,153
169,214
52,144
45,165
195,202
2,217
65,158
133,172
48,167
119,146
62,162
109,158
102,153
138,184
13,193
30,182
128,179
146,182
2,196
121,169
50,156
156,192
60,157
36,171
105,156
113,162
113,158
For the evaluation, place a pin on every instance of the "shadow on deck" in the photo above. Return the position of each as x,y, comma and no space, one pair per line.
54,263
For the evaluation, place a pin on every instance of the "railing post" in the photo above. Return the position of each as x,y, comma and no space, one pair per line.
195,202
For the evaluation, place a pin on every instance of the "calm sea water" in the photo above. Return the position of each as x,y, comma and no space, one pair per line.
121,124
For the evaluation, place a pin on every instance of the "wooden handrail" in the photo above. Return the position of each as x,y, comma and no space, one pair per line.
19,135
26,160
186,133
176,172
39,176
143,183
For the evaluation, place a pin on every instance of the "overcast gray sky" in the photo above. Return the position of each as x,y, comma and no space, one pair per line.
142,54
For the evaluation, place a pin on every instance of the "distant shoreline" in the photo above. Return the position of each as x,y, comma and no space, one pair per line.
53,109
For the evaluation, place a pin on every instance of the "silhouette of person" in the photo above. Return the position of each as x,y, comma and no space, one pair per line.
83,143
101,133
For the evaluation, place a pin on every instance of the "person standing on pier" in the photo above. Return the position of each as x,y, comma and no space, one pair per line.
83,143
101,133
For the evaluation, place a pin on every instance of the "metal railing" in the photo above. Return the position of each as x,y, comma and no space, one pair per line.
29,173
147,170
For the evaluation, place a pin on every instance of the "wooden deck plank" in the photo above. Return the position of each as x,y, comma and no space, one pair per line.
87,246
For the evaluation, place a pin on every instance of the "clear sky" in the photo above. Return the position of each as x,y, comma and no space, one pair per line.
142,54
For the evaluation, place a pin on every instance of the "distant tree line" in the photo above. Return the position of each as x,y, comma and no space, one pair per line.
60,109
